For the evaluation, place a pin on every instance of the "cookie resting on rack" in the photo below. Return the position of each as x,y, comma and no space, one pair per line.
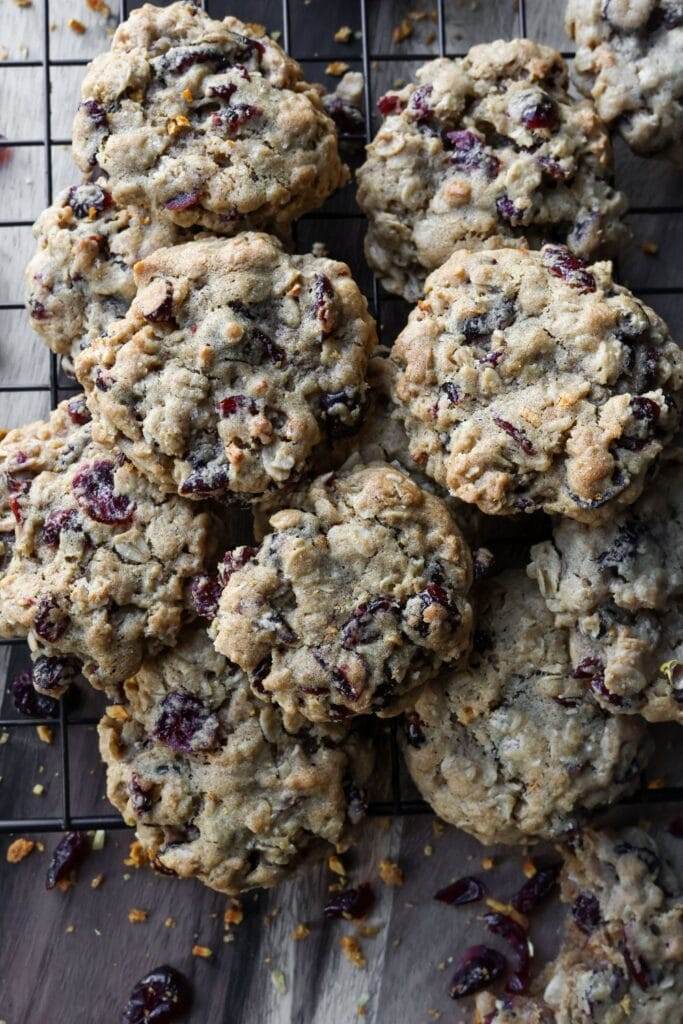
235,361
103,565
482,151
216,784
200,123
618,588
629,61
355,598
511,748
530,381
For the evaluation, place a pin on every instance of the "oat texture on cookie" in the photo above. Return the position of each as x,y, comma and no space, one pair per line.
481,151
217,784
529,381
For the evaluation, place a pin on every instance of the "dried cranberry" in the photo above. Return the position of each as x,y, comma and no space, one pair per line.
637,966
536,889
419,106
28,701
515,935
341,411
516,434
185,724
103,381
434,594
360,629
623,549
415,736
38,310
206,480
483,561
260,673
95,112
478,967
159,998
50,620
265,350
564,264
323,302
469,153
480,328
78,411
70,851
553,168
224,91
594,670
347,118
507,210
54,673
586,912
451,391
205,593
236,403
351,903
57,521
540,114
389,104
645,409
84,198
93,488
163,313
183,201
234,560
140,794
465,890
238,114
342,683
177,60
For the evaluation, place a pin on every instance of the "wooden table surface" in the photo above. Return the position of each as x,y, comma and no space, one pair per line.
73,957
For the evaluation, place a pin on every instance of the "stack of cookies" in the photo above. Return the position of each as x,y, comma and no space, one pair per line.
395,495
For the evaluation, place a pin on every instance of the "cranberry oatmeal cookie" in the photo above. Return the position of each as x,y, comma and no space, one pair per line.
216,783
531,381
618,588
510,748
81,277
234,362
102,566
198,122
629,60
490,146
621,961
355,598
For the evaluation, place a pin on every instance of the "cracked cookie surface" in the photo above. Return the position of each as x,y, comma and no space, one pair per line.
217,785
510,748
629,61
234,362
199,123
530,381
488,147
356,596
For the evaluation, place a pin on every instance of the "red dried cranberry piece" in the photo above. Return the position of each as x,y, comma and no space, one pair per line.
341,411
586,912
236,403
180,58
28,701
342,683
95,112
54,673
234,560
465,890
57,521
205,593
645,409
478,967
351,903
516,937
84,198
451,391
433,594
540,115
265,349
564,264
183,201
347,118
389,104
234,116
68,854
260,673
469,153
160,997
206,480
419,105
415,736
50,621
78,411
323,299
93,488
516,434
185,724
594,670
480,328
507,210
223,92
164,311
358,629
38,310
140,794
536,889
553,168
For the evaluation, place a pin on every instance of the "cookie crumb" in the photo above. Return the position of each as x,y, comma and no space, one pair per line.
428,850
202,951
99,7
336,865
38,789
529,869
45,734
279,981
650,248
19,850
234,914
302,931
368,931
76,26
344,34
658,783
4,738
137,916
487,863
24,3
351,949
96,882
137,856
337,68
508,910
402,31
362,1005
117,712
170,922
70,929
98,839
390,873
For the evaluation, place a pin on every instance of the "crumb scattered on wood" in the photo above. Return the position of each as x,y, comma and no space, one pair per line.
137,855
96,882
302,931
45,734
234,914
99,7
76,26
170,922
390,873
529,869
487,863
137,916
656,783
368,931
279,981
344,34
19,850
650,248
402,31
337,68
202,951
38,789
350,947
336,865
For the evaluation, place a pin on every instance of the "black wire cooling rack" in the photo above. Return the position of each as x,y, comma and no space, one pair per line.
57,388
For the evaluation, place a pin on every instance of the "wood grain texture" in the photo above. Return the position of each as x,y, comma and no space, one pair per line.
49,975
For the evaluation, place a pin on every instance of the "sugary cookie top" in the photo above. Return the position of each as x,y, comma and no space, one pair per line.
201,123
215,784
532,381
356,596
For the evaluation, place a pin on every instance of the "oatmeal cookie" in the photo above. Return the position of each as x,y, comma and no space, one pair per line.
81,276
510,749
531,381
102,566
629,60
216,783
199,123
487,147
234,362
355,598
618,588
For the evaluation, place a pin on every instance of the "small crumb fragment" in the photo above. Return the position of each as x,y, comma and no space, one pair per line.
337,68
96,882
402,31
202,951
390,873
38,789
137,916
279,981
99,7
650,248
351,949
430,38
76,26
529,869
170,922
24,3
255,28
487,863
275,34
428,850
19,850
4,53
344,34
137,856
70,929
438,827
98,839
117,712
302,931
64,884
434,1014
658,783
45,734
4,738
270,916
508,910
234,914
368,931
336,865
362,1005
187,95
319,249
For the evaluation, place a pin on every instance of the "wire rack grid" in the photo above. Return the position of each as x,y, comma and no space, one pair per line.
397,804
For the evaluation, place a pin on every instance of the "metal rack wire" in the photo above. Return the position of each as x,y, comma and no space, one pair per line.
67,721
